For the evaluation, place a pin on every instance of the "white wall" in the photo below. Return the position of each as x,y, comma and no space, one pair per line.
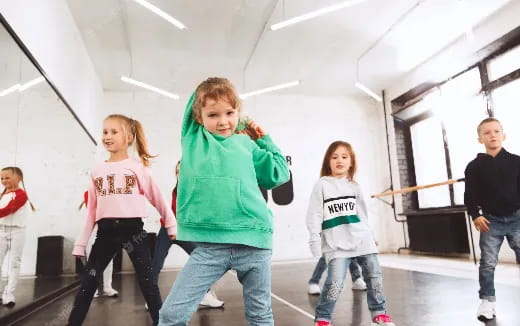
50,33
303,127
454,59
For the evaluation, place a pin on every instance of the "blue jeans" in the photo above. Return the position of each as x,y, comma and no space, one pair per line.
208,263
490,242
162,246
334,284
321,266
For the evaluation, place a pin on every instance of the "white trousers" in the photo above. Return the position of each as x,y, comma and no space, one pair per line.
12,240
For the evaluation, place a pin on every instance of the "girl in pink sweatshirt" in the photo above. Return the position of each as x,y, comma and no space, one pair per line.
116,203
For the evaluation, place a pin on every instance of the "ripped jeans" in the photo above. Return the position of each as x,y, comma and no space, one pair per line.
334,284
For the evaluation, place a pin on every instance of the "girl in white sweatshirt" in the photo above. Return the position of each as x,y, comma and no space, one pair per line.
337,223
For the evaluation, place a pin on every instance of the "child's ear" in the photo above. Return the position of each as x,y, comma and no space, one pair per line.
480,140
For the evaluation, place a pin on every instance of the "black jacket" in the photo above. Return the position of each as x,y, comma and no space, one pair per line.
493,184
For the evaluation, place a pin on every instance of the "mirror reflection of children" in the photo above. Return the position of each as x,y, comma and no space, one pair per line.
163,244
14,209
105,285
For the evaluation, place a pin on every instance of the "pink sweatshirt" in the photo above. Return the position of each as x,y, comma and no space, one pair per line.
118,190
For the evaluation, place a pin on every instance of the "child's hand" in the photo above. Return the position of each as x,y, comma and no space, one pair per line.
253,130
481,223
172,237
83,259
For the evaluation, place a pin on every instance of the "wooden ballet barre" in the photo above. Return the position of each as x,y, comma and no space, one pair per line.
415,188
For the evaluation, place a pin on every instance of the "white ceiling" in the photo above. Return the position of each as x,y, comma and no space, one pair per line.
232,38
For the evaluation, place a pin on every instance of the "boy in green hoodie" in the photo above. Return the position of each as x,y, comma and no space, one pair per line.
220,205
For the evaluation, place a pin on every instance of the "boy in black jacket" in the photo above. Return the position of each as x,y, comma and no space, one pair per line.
492,197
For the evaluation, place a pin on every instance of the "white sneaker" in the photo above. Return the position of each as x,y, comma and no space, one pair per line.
486,310
359,285
210,300
106,293
146,306
110,293
314,289
8,300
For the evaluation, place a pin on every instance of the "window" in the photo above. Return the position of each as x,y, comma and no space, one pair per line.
430,162
462,110
504,64
506,101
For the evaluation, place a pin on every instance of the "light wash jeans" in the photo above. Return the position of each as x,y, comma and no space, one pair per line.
334,284
321,266
207,263
490,242
162,246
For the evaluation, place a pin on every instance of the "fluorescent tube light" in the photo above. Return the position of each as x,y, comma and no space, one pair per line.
149,87
31,83
314,14
160,13
270,89
368,91
9,90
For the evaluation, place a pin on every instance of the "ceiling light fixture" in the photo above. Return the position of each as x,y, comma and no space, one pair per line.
9,90
368,91
358,84
270,89
31,83
161,13
313,14
149,87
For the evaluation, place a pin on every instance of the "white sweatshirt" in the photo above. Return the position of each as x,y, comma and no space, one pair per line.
337,220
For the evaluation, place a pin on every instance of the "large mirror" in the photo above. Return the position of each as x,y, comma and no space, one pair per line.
41,137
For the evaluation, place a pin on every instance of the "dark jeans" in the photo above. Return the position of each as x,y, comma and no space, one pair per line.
114,233
162,246
321,266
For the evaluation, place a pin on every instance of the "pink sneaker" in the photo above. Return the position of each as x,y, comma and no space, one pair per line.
322,323
382,320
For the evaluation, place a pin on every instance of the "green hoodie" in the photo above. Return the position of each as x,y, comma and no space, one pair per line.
218,199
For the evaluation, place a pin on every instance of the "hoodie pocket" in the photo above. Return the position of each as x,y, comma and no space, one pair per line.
216,202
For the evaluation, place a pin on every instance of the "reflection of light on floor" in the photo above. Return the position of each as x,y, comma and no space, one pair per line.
505,273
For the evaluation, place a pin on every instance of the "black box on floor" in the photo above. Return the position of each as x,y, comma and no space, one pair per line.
49,256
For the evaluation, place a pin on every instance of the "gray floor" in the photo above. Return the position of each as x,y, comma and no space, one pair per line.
413,299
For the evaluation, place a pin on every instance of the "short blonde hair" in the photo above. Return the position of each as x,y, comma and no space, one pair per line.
487,120
214,88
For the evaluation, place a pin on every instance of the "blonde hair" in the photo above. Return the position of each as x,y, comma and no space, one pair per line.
325,166
214,88
16,170
136,130
487,120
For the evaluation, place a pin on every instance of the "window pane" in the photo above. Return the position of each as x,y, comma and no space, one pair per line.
461,112
430,162
504,64
507,110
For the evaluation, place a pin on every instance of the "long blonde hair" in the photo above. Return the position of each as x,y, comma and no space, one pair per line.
16,170
136,130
